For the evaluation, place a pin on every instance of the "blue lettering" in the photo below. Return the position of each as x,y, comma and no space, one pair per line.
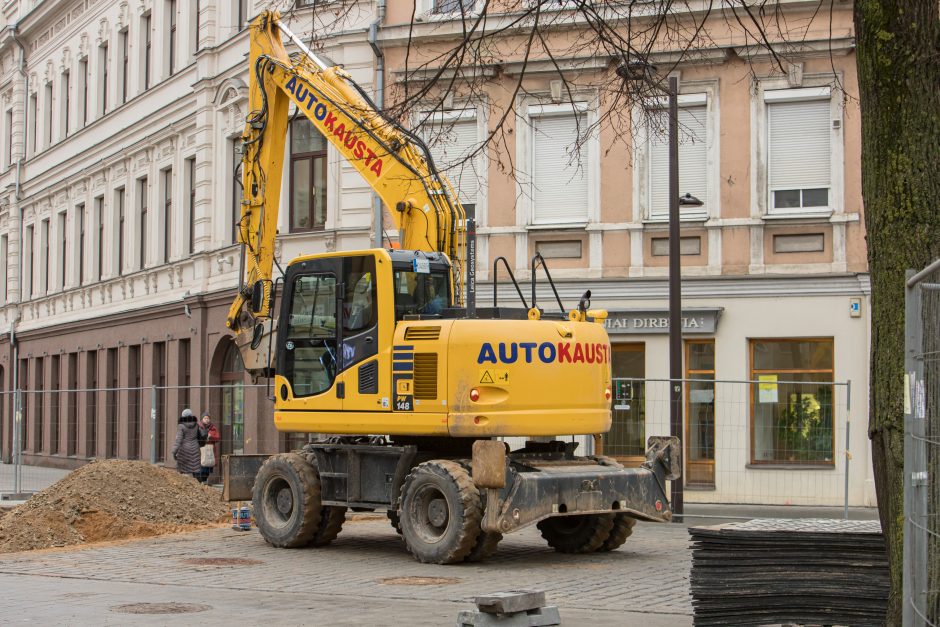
301,92
547,352
528,346
319,111
291,84
312,100
486,354
511,358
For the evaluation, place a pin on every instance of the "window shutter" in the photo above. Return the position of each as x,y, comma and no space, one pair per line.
452,143
798,144
559,169
693,167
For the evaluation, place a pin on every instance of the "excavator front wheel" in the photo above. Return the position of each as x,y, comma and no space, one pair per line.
440,512
286,501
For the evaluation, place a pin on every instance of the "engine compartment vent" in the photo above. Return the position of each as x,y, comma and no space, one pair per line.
422,333
425,376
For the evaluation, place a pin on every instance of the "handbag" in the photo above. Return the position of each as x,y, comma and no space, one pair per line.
207,456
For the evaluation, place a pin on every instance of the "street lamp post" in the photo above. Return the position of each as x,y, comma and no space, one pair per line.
642,71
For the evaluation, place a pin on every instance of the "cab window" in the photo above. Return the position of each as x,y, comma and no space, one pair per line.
420,293
310,346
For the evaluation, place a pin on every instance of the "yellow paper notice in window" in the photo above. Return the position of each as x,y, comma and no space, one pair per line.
767,388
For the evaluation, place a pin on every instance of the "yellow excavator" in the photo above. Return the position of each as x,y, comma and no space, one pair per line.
408,385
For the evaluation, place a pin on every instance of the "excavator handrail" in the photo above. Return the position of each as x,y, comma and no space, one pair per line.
511,276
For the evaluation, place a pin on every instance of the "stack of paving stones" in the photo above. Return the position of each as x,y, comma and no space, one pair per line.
771,571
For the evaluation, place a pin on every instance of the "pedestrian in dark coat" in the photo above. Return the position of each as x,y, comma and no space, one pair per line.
186,446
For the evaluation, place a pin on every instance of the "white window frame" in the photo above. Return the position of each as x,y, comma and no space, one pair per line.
425,11
480,160
525,157
818,87
706,95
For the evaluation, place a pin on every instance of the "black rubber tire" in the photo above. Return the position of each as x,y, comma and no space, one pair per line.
286,501
584,533
622,529
440,512
485,546
395,518
332,518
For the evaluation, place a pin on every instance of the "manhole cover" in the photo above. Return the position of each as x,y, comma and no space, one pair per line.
419,581
221,561
160,608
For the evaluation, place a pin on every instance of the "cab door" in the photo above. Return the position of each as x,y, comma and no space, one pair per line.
361,368
309,337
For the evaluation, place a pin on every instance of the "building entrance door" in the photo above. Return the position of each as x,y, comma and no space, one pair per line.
233,403
626,440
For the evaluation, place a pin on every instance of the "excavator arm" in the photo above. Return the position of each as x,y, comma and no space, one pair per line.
392,160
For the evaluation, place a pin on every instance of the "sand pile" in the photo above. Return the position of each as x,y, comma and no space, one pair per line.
111,500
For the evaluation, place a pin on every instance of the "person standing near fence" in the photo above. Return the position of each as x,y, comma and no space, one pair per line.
186,446
209,451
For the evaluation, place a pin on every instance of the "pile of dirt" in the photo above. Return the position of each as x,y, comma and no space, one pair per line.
111,500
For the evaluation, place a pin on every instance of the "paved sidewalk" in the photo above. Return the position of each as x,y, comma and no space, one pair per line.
355,581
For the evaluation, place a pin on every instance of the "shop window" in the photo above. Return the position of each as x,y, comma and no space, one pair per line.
307,177
700,409
792,401
233,402
626,439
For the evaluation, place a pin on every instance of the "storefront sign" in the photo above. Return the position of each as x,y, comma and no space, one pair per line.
646,321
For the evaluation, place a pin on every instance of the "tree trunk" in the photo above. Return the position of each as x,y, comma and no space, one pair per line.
899,91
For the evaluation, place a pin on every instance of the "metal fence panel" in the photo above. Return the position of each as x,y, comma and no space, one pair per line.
922,447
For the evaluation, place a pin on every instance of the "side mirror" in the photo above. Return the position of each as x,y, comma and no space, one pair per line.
259,290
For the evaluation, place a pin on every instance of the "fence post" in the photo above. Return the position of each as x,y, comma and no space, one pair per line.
17,442
153,424
848,447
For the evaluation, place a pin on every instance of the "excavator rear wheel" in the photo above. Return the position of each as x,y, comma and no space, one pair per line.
440,512
584,533
286,501
622,529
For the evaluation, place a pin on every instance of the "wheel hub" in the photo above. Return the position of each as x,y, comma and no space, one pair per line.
437,512
284,501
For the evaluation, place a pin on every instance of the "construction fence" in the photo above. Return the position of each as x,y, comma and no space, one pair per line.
922,447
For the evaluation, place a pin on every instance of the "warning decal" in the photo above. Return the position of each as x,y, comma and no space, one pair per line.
493,376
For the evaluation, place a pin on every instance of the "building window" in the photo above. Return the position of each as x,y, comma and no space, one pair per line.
142,205
184,373
47,105
453,140
700,409
241,13
197,25
8,138
236,208
119,240
91,404
453,6
167,185
33,113
148,44
63,242
4,268
28,262
159,380
54,400
626,439
44,245
65,101
71,403
125,45
134,364
171,44
99,238
83,90
799,150
111,417
39,423
792,401
191,203
559,165
103,72
693,157
233,402
80,259
307,177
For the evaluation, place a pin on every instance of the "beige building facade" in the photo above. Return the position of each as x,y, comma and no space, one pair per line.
118,201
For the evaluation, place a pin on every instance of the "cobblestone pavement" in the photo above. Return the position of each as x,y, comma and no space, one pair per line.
644,582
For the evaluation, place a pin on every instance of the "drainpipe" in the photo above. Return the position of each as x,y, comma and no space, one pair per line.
379,103
22,70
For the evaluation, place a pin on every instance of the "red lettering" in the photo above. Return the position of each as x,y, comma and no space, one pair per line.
589,350
377,168
359,150
604,346
329,121
369,156
564,352
340,131
350,141
578,354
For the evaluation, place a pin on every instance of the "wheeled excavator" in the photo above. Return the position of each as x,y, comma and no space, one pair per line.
409,387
